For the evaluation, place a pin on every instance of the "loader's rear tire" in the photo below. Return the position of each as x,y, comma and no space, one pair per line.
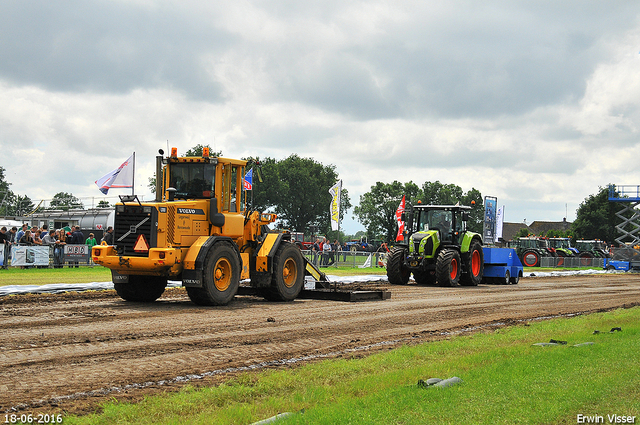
221,277
530,259
141,288
397,273
288,274
448,268
475,265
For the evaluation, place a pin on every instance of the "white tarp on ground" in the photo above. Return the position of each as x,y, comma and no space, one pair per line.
95,286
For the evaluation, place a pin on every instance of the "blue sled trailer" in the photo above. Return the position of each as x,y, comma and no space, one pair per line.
610,264
501,266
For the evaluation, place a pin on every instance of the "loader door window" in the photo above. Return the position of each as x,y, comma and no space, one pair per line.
232,188
226,187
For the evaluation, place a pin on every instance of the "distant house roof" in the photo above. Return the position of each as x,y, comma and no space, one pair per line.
510,230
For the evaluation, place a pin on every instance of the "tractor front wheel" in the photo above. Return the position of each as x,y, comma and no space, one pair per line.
397,272
424,277
475,265
448,268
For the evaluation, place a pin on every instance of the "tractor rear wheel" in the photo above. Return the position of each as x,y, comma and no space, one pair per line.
448,268
397,272
221,277
530,259
585,259
475,265
144,289
288,274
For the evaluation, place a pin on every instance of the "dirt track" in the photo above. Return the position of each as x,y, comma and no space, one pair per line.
93,345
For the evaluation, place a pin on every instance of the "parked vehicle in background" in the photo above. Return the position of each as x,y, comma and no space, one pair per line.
592,249
531,249
563,247
362,244
298,238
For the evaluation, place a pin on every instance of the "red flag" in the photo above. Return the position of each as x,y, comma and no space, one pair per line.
399,212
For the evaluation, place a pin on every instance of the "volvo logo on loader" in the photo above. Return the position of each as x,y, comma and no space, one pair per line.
190,211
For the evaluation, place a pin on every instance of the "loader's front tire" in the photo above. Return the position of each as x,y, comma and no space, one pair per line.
221,277
397,272
448,268
144,289
475,265
288,274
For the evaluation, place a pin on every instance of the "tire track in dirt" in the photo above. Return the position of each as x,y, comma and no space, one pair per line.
60,345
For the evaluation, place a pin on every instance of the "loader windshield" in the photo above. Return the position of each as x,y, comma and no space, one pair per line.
192,180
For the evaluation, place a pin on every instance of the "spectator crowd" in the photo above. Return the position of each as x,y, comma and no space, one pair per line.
54,238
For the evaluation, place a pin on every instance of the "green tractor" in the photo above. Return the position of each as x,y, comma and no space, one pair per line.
437,248
591,249
531,249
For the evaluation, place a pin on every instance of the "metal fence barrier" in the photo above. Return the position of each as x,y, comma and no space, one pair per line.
337,259
571,262
40,256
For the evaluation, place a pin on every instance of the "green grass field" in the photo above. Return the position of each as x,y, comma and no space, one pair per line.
506,380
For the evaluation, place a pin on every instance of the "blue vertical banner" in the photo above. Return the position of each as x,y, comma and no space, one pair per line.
489,225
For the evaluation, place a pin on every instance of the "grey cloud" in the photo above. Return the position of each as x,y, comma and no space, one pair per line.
107,47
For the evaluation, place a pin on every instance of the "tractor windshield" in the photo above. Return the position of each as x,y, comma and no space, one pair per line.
192,180
435,220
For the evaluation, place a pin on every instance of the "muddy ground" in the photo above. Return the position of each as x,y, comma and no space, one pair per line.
70,352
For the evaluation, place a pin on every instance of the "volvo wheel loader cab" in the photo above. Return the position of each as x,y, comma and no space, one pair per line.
199,231
437,248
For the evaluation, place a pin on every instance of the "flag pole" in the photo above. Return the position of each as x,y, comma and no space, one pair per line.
133,178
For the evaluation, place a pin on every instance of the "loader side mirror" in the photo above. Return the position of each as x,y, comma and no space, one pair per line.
403,217
215,218
171,194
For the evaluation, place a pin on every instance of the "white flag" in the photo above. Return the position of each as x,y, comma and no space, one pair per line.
121,177
499,223
335,205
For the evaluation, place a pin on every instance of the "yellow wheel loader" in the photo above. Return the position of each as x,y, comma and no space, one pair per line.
199,231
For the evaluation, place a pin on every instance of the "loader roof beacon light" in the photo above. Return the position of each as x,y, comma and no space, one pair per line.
174,152
205,152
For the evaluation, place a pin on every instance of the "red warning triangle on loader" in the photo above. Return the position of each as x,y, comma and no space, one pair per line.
141,244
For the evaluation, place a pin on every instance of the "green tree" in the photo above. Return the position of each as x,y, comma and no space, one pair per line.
297,189
260,198
104,204
65,201
197,151
596,217
7,197
377,209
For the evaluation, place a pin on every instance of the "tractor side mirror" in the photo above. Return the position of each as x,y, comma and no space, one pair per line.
465,216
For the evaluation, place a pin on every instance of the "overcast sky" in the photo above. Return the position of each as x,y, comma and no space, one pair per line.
535,103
